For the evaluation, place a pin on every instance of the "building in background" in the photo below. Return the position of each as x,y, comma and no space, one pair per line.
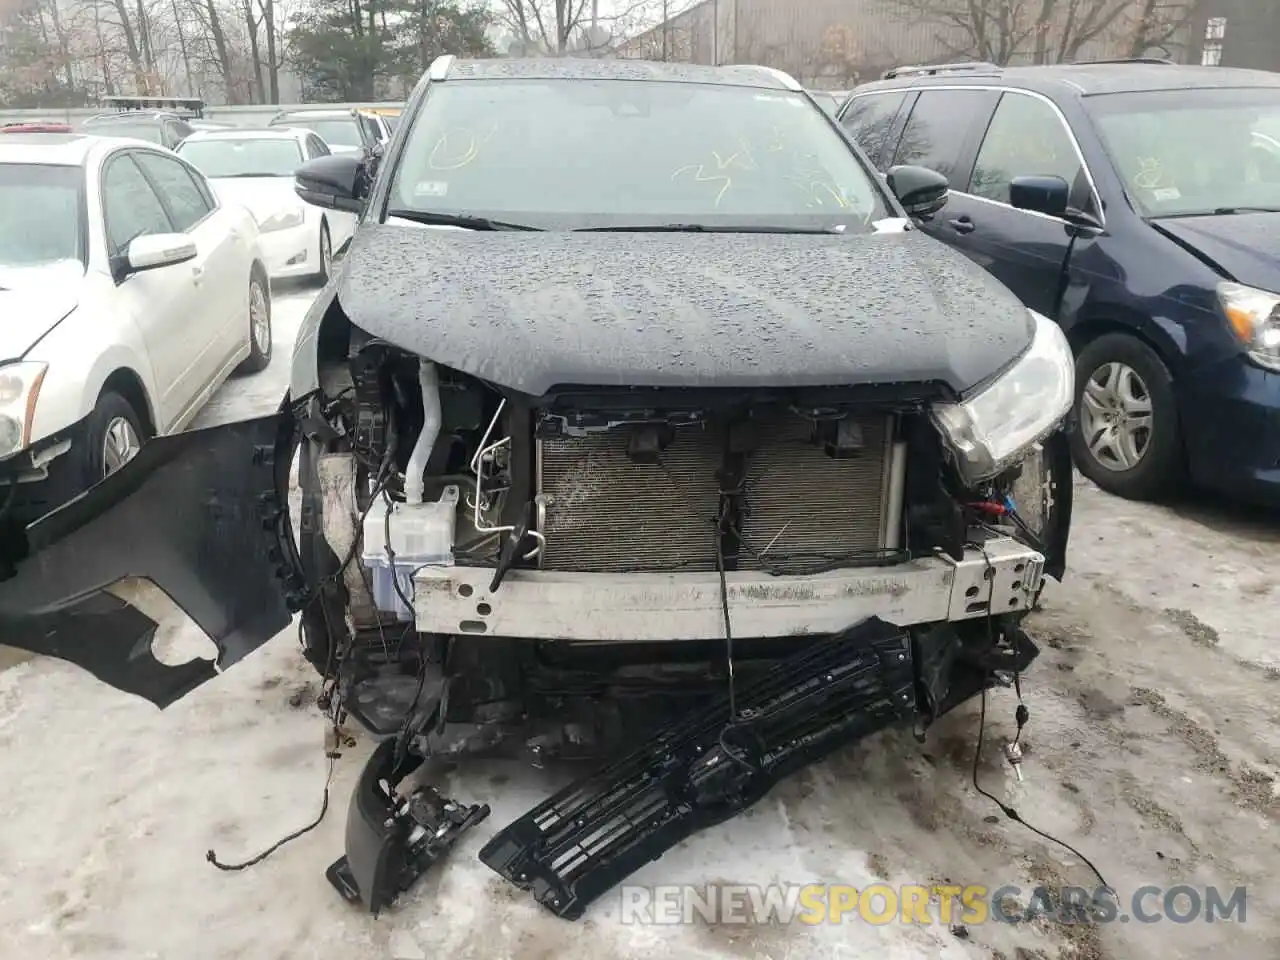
836,43
1238,33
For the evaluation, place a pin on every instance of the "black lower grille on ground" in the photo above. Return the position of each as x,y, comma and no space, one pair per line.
703,770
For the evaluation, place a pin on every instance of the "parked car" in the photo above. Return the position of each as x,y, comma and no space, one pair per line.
343,130
388,115
35,126
129,294
694,432
168,128
1138,203
255,168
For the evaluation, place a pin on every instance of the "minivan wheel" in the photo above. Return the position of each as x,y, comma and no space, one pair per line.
1126,437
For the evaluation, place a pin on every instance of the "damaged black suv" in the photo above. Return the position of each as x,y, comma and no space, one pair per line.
640,424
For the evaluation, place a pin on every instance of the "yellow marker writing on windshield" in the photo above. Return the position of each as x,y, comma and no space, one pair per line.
741,157
464,157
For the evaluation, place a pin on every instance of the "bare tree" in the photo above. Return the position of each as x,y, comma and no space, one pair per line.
269,19
1161,25
840,55
559,27
1082,22
998,31
991,30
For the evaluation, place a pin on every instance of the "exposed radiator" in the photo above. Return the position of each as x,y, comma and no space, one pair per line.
606,513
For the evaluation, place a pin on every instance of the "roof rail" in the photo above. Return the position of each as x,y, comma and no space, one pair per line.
183,106
440,66
1081,63
933,69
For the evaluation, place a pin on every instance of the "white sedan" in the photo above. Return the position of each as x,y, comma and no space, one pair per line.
255,168
129,293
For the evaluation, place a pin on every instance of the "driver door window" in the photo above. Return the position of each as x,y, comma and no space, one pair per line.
178,188
1025,139
130,207
220,255
164,304
316,147
870,120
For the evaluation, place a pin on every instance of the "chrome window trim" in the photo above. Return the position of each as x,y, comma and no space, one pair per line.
1001,88
1030,213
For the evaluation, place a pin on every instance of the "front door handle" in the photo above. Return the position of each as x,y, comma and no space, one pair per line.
962,225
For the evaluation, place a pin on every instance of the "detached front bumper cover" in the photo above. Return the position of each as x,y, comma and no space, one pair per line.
202,515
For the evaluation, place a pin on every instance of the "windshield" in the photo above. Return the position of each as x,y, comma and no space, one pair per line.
248,157
336,131
611,153
138,129
1190,152
40,215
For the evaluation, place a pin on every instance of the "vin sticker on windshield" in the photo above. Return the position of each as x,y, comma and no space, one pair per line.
1167,193
430,188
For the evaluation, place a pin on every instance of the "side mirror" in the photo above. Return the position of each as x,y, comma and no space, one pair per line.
1047,195
335,182
921,191
152,252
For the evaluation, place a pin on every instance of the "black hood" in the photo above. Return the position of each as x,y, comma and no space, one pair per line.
533,311
1245,246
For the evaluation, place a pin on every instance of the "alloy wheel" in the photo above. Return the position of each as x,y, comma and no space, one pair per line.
1116,416
259,318
120,444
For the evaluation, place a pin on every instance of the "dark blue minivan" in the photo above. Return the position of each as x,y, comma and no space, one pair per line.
1138,204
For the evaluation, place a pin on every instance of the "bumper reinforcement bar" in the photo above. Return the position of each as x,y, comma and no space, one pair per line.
1001,576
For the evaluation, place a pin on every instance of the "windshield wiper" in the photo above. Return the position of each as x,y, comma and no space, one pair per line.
1228,211
458,220
702,228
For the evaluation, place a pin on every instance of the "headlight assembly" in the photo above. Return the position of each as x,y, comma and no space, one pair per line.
1254,316
992,430
19,387
282,220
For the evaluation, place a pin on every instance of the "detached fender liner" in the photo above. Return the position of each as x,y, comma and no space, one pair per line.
706,769
204,516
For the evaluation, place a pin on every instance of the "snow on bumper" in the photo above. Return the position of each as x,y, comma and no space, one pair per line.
1004,576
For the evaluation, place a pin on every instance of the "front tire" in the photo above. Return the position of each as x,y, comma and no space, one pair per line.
114,433
326,255
259,324
1127,437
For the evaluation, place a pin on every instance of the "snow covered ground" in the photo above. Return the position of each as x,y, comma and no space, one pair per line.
1152,748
